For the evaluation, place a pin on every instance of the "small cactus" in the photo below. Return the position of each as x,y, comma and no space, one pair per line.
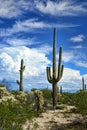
39,100
60,89
83,84
20,83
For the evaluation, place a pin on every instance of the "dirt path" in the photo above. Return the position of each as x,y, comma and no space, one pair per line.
52,117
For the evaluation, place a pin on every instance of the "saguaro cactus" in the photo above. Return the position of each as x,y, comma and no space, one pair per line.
56,74
20,83
60,89
83,85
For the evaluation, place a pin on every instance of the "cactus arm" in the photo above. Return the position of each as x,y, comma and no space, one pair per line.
23,68
18,82
61,73
49,77
54,54
60,68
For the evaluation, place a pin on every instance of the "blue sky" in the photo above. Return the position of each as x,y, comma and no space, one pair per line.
26,31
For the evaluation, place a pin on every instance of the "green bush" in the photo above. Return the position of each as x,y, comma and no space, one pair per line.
12,116
67,98
47,94
80,101
1,85
14,113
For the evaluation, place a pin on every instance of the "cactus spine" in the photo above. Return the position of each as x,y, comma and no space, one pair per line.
20,83
56,75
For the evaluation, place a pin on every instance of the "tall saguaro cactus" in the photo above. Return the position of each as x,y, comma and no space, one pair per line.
56,73
20,83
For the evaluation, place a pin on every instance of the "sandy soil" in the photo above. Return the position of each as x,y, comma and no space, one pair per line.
52,117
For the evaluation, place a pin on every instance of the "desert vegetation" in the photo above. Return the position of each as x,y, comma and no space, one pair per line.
26,110
43,109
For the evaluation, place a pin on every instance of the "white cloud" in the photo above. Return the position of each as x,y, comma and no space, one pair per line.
77,47
81,64
35,61
45,49
22,41
35,71
31,25
68,56
13,8
62,8
71,79
77,58
78,38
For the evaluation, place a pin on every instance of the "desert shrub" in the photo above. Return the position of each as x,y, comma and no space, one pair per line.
80,101
1,85
15,108
13,115
67,98
4,92
47,94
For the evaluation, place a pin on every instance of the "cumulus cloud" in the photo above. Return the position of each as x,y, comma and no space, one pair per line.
35,72
45,49
77,58
61,8
35,61
78,38
71,80
68,56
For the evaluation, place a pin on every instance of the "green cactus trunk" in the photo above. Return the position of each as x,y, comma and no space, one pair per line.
56,74
83,85
21,78
60,89
54,94
20,83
